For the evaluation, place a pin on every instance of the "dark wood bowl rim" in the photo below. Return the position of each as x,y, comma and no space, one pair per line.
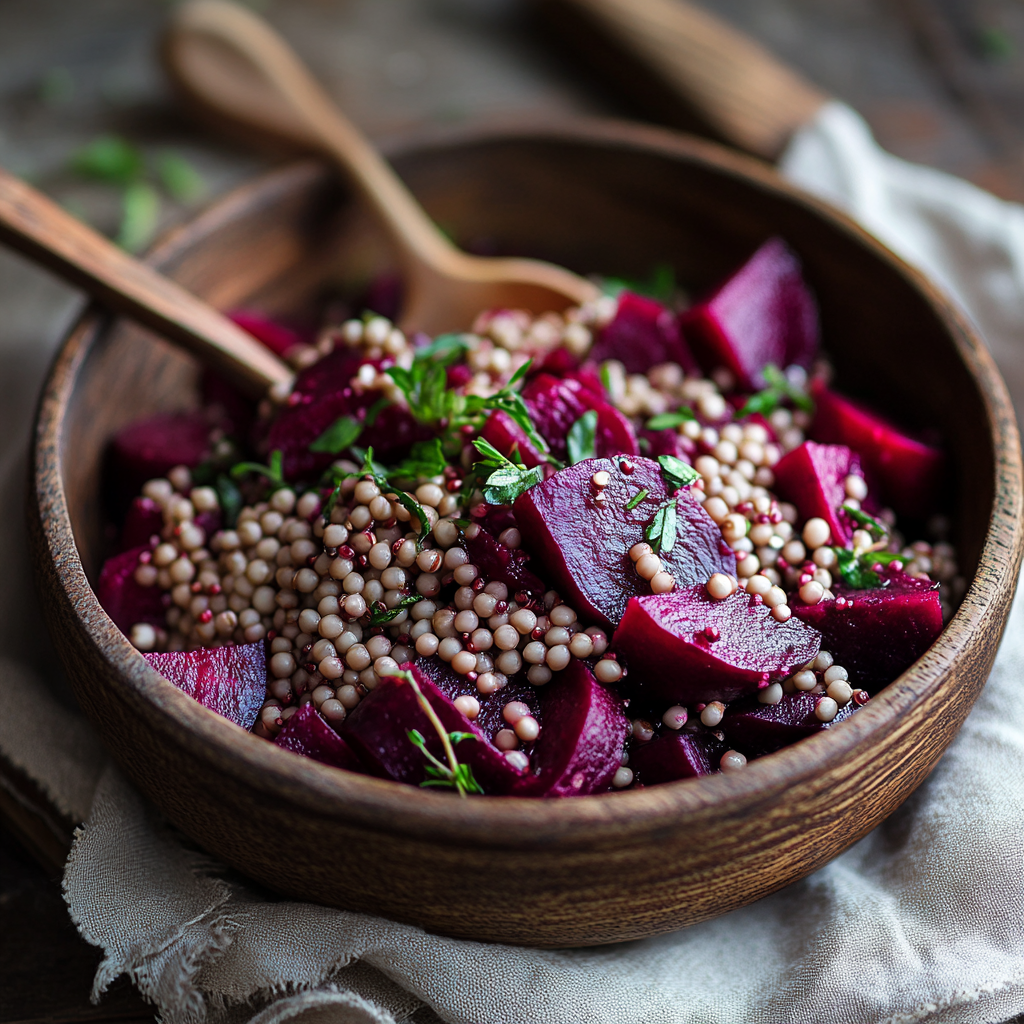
509,822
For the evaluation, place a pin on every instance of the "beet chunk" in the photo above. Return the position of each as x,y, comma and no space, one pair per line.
377,730
145,519
582,546
150,448
684,647
643,334
581,742
501,564
122,598
676,755
877,634
812,476
758,729
276,336
507,436
908,472
229,680
555,404
306,733
763,314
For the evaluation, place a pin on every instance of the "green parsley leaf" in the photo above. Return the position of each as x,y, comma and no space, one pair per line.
636,499
109,158
582,438
425,459
181,180
445,349
660,285
853,572
374,411
875,527
661,533
140,215
458,737
777,390
380,617
274,472
338,436
408,502
676,472
507,480
230,499
668,420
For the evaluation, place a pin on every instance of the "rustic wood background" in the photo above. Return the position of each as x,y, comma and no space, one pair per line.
940,81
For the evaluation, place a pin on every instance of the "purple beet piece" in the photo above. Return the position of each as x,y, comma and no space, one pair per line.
581,741
763,314
306,733
145,518
757,729
643,334
555,404
908,471
676,755
122,598
507,436
490,719
669,442
877,634
812,476
323,394
150,448
377,730
501,564
684,647
229,680
271,333
582,546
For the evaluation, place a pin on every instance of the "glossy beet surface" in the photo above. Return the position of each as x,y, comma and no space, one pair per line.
145,519
686,647
150,448
755,728
229,680
306,733
582,545
876,634
676,755
907,471
763,314
811,477
378,731
507,436
122,598
500,564
642,334
555,404
583,735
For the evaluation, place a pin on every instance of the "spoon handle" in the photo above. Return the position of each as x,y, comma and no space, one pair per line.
745,94
243,35
39,228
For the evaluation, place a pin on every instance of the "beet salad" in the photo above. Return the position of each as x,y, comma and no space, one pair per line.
552,556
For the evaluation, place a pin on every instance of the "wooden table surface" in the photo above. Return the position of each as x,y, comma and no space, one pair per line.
940,81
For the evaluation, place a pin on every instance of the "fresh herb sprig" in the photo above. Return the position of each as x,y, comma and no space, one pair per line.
381,616
779,389
669,420
677,473
857,570
341,434
582,438
505,480
661,531
452,775
274,472
878,530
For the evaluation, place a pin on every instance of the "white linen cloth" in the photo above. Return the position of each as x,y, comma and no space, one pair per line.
923,920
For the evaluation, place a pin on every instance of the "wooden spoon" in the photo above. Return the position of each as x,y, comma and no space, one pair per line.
231,63
39,228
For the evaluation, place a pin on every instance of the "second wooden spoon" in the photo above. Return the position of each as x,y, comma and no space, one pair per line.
230,62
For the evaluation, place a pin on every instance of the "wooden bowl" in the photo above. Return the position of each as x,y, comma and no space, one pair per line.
598,869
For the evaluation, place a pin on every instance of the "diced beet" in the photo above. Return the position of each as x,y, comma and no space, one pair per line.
377,730
271,333
757,729
812,476
642,334
229,680
684,647
323,394
507,436
907,471
234,410
582,738
122,598
559,362
877,634
583,545
676,755
500,564
555,404
669,442
490,719
763,314
589,375
145,518
150,448
306,733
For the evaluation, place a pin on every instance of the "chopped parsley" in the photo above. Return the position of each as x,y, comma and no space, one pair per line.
636,499
381,616
668,420
341,434
274,473
779,389
661,532
676,472
506,480
582,438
